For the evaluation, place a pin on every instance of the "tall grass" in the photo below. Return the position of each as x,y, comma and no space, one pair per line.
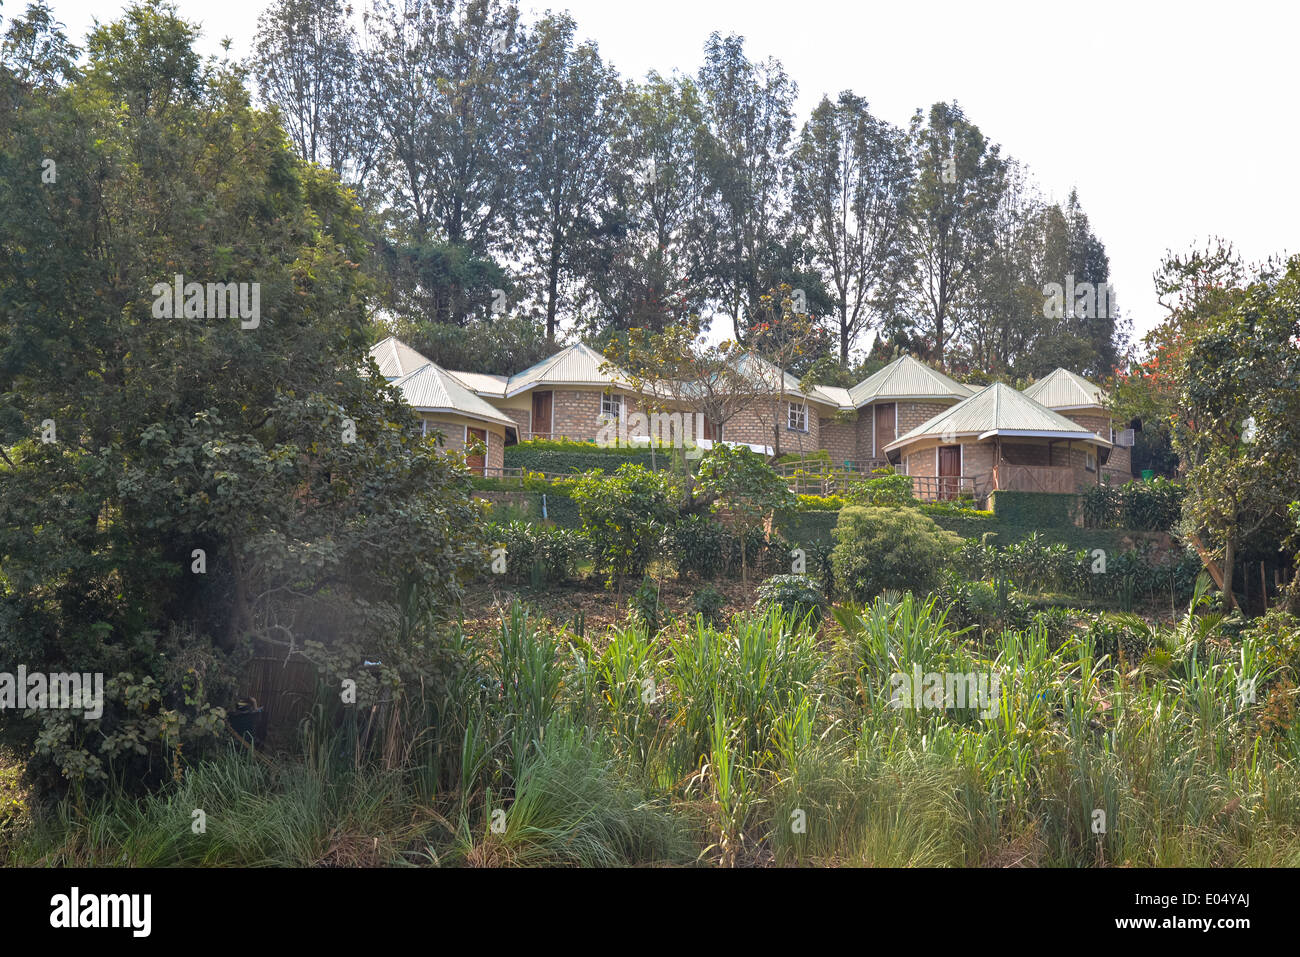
768,741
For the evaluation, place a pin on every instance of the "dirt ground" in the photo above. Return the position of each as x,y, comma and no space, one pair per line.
559,604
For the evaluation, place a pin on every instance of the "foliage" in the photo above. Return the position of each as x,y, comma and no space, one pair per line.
708,603
538,554
987,606
1034,509
796,596
557,457
889,489
879,549
1145,506
821,503
1236,429
643,606
747,485
195,493
625,515
702,546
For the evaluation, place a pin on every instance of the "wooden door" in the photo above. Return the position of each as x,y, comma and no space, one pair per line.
475,462
886,420
542,415
949,470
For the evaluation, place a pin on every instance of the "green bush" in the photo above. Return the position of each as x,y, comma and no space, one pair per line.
701,546
708,603
988,606
563,457
625,517
643,606
886,489
877,549
538,553
821,503
796,595
1034,509
1154,506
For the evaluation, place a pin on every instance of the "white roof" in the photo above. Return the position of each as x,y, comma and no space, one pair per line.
578,364
396,358
907,378
483,383
998,409
431,388
1062,389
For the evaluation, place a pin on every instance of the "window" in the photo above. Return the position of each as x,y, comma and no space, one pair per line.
611,406
420,429
1090,461
796,419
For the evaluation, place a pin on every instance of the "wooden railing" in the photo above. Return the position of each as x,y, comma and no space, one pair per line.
942,488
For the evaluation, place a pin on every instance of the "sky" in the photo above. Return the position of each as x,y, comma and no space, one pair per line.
1175,121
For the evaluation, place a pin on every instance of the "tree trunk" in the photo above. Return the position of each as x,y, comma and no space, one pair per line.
552,287
1229,559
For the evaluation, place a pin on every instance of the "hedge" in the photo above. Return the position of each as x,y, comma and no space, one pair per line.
1037,509
809,527
559,457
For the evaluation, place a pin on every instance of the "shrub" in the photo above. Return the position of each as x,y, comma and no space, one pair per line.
563,456
888,488
888,548
1154,506
796,595
988,606
625,516
747,485
643,606
708,603
701,546
538,553
1034,509
821,503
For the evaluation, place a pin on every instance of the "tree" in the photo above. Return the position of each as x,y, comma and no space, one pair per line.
307,62
572,115
749,108
678,370
851,178
178,483
748,487
443,79
1235,429
784,344
959,180
650,274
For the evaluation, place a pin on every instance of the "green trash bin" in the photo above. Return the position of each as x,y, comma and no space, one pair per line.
1148,475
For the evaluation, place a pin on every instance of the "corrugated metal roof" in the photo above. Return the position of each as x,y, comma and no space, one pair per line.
1062,389
482,382
834,395
578,364
396,358
907,378
433,389
768,376
997,409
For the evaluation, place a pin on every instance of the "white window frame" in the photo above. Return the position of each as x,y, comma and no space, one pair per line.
1090,457
790,408
612,406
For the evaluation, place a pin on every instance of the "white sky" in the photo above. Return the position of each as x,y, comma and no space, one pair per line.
1175,120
